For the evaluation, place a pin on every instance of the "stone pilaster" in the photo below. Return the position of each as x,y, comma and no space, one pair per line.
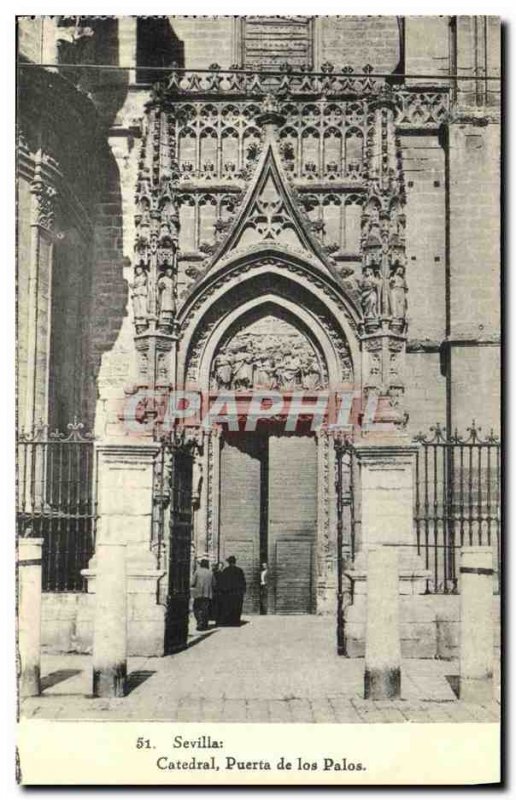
385,501
43,209
154,288
125,476
386,483
326,524
213,494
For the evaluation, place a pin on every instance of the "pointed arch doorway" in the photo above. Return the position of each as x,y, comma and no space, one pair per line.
265,323
268,476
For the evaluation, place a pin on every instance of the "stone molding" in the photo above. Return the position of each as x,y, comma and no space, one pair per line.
385,453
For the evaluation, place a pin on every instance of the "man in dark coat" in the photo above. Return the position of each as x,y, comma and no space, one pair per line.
215,603
232,586
202,592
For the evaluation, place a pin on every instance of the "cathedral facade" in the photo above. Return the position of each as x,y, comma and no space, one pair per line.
213,210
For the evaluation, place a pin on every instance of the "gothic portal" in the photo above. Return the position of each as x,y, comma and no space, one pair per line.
244,205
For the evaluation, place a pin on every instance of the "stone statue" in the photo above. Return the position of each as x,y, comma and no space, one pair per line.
223,371
311,373
197,480
291,370
398,286
369,294
139,296
266,362
264,371
244,367
166,299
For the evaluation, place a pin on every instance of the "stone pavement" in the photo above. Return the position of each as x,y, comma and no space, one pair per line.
272,669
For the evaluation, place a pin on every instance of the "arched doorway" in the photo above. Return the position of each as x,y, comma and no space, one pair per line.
268,476
268,492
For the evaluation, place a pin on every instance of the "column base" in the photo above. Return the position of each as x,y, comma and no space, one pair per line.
110,681
30,681
382,684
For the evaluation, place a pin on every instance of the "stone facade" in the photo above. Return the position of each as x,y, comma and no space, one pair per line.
344,187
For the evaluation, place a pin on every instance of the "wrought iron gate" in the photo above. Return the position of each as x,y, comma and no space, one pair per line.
56,501
457,501
347,522
173,538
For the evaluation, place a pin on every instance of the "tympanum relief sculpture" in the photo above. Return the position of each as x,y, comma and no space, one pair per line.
269,354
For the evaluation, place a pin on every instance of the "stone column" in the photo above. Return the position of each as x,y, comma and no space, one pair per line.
382,677
125,479
476,625
29,615
213,494
110,625
39,301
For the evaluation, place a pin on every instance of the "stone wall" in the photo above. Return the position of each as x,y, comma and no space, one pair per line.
427,48
369,40
429,626
424,171
475,270
23,246
425,390
112,352
358,40
207,40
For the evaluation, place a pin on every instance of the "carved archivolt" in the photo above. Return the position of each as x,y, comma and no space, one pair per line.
204,317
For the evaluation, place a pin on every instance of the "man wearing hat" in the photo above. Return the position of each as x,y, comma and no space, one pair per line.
202,592
232,586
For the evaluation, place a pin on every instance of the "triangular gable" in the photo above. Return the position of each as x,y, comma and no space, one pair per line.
270,215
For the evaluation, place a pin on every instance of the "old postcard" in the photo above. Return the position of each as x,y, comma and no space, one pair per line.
258,399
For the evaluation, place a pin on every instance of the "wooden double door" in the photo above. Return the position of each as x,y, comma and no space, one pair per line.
268,514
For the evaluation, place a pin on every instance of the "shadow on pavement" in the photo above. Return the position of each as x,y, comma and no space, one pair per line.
240,625
201,637
454,681
57,677
136,678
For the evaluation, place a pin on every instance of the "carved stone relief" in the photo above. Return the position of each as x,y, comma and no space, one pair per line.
268,354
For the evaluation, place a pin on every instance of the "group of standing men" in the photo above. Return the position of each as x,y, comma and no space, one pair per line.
218,593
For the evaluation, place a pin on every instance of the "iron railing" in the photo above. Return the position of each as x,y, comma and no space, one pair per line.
172,532
56,502
165,500
347,521
457,501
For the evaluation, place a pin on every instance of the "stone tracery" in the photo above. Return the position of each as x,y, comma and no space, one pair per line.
336,137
